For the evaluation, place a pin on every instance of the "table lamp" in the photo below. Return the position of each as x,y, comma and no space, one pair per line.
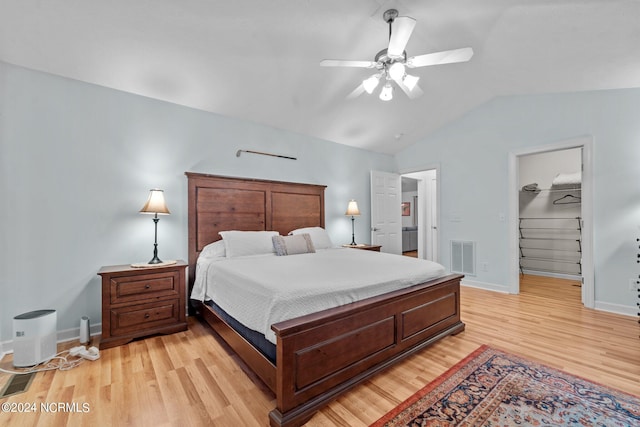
352,210
155,205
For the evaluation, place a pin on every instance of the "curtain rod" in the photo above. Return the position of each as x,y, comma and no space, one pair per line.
264,154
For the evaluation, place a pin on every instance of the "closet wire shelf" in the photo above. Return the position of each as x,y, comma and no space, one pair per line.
553,244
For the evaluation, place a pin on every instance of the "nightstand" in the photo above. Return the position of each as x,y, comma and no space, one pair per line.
375,248
137,302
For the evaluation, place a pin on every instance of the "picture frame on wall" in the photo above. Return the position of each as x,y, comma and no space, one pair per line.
406,208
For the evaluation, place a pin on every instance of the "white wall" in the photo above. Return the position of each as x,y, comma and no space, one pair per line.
473,155
76,165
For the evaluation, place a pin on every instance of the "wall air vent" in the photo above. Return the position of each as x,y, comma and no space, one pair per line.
463,257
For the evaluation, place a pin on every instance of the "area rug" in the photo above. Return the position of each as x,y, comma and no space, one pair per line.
493,388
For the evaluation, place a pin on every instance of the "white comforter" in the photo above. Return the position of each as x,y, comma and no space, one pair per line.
262,290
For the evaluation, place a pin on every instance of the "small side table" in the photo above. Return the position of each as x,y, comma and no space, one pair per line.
138,302
375,248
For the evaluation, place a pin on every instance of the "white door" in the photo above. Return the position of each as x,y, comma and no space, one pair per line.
386,218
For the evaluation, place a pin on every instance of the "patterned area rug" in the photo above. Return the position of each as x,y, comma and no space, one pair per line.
491,388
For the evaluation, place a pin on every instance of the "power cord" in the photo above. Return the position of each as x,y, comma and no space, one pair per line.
61,361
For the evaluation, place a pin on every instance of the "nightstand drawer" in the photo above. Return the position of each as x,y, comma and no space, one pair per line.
144,286
145,316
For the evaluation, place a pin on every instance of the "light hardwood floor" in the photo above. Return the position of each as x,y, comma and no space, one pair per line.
192,379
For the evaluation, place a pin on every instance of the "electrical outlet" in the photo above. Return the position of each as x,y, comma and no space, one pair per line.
484,266
633,284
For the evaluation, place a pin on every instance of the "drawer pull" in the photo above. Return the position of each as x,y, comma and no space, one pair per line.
147,315
147,286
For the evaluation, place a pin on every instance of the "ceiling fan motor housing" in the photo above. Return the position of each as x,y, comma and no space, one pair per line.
382,58
390,15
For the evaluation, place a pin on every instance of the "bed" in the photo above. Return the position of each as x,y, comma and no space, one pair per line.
319,355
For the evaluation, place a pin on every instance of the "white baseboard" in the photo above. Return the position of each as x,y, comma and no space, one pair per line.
484,285
74,333
61,337
555,275
617,308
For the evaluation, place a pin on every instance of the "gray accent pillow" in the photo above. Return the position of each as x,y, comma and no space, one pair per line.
292,245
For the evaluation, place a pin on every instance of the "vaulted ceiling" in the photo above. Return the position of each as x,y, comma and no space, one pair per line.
259,60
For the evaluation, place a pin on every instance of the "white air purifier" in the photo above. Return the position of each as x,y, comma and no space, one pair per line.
34,337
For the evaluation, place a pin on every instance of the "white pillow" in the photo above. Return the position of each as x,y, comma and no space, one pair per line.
293,245
319,236
214,250
243,243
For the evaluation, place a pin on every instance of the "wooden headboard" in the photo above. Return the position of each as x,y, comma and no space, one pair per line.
219,203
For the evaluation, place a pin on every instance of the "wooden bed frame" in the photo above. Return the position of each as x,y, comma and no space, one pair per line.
321,355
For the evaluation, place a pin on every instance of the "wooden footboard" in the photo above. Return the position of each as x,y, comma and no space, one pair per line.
323,354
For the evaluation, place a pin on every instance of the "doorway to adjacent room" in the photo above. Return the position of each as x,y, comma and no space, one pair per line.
551,221
405,220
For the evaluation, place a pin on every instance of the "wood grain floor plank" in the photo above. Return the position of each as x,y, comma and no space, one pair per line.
193,379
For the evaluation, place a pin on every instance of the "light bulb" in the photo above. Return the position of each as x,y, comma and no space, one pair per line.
386,94
371,83
410,81
396,70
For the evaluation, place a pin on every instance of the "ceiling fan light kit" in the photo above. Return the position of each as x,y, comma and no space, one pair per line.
386,94
392,62
371,83
396,70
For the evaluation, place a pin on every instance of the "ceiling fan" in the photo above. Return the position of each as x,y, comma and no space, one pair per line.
391,63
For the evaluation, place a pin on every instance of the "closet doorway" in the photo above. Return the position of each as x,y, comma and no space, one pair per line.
551,217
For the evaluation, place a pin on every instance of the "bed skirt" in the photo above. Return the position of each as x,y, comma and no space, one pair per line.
258,340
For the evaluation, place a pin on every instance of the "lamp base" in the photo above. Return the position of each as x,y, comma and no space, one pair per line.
353,232
155,259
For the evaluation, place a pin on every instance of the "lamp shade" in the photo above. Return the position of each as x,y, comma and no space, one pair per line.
155,203
386,94
396,71
371,83
352,209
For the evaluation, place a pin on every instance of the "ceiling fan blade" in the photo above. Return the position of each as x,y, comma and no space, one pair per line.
413,93
446,57
402,28
416,92
344,63
356,92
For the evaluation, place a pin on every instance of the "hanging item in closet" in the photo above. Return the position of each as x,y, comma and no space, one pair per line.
567,199
531,188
